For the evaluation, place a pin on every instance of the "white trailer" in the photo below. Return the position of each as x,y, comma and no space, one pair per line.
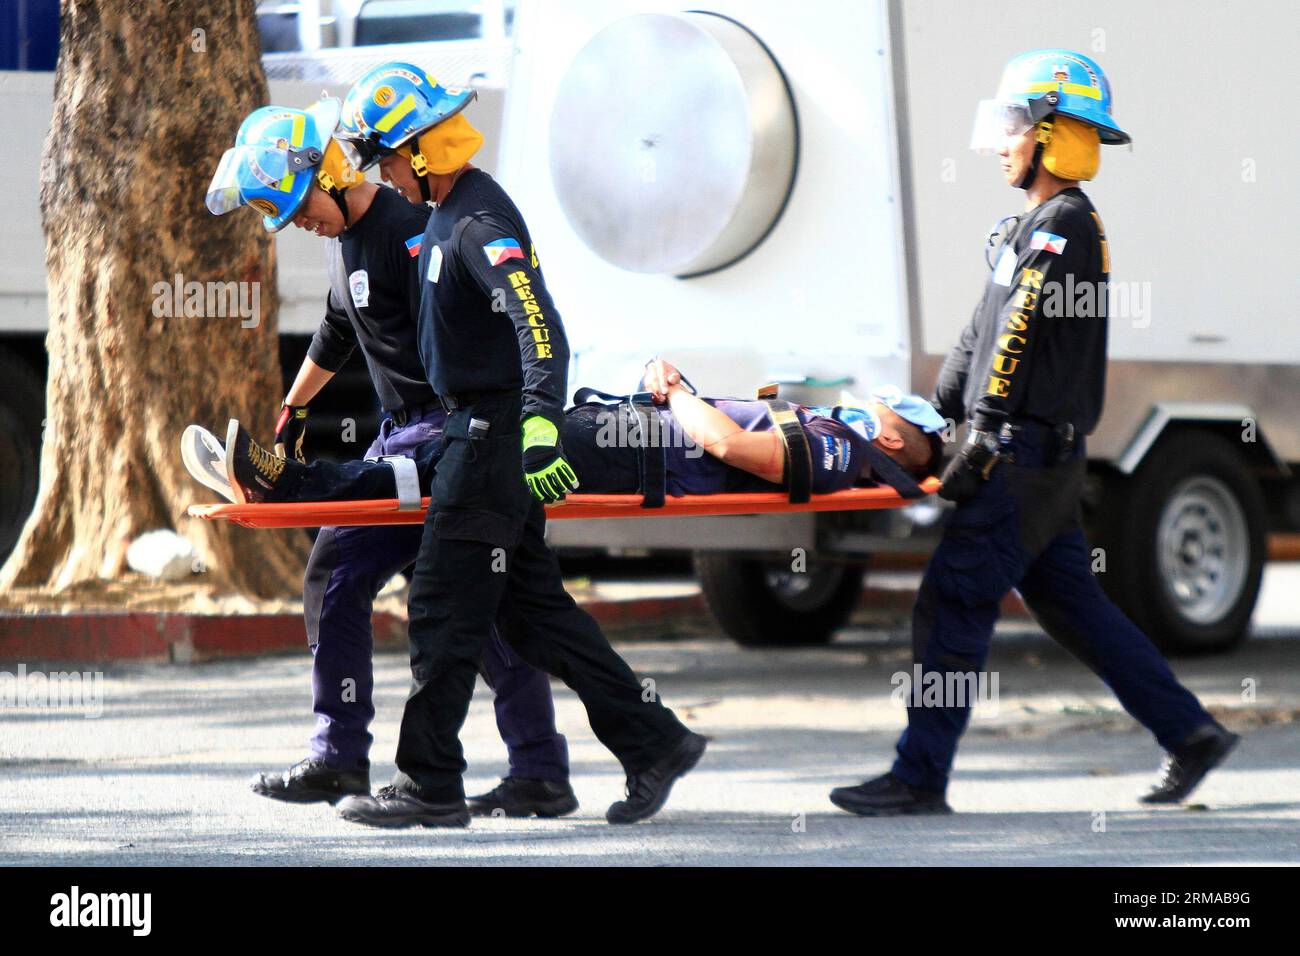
641,140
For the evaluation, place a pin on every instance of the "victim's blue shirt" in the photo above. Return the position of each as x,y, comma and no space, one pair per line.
837,455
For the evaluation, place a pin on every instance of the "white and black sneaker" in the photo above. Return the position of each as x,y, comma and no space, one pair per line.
205,460
251,469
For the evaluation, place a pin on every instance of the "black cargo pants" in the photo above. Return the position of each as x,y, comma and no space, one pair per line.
482,552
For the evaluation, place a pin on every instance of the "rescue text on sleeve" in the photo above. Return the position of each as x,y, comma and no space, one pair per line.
509,276
1051,252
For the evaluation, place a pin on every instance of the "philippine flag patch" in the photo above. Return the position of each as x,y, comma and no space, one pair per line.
413,245
499,250
1048,242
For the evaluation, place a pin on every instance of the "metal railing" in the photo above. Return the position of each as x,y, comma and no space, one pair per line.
452,62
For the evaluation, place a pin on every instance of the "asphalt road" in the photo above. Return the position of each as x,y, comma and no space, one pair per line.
1048,776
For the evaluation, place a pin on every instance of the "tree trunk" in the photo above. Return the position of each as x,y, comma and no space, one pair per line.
148,94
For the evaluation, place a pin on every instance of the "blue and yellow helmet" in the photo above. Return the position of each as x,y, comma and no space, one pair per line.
389,109
1042,82
278,154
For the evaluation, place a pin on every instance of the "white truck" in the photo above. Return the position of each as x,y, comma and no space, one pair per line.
777,192
770,192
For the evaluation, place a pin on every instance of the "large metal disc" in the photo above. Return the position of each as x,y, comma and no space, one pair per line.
673,143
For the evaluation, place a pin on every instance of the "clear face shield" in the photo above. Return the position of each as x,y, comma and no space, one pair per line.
240,170
998,123
361,154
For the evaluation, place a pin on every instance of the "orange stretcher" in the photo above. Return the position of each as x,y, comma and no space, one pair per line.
317,514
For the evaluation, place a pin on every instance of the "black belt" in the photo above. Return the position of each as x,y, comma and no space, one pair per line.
408,413
1056,443
451,403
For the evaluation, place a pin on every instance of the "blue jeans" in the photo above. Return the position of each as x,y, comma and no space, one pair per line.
1023,531
348,566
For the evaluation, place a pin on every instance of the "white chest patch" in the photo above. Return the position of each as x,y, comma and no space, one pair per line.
359,285
435,263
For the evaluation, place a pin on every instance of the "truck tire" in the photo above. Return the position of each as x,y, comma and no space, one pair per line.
22,408
1185,541
761,603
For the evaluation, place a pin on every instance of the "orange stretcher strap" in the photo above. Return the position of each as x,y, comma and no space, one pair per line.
317,514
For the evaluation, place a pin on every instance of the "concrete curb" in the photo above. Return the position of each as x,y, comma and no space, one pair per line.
105,636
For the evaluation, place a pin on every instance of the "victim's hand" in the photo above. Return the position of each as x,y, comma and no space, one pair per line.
661,378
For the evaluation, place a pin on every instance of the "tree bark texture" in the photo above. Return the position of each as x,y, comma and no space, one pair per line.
148,95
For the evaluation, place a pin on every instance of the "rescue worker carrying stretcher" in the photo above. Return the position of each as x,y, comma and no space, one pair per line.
494,351
286,165
1028,374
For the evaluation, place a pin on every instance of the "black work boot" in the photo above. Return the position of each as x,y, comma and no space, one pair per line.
648,791
391,807
311,781
1186,766
887,796
519,797
253,470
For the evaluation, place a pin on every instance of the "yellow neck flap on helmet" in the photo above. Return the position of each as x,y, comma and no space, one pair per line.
1071,148
335,174
444,148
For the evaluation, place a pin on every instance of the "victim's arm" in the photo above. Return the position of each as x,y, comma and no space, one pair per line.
759,453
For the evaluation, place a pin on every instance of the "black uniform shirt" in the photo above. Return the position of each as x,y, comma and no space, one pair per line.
1036,346
487,322
382,267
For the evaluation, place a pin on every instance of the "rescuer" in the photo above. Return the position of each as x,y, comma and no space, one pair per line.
494,351
1028,376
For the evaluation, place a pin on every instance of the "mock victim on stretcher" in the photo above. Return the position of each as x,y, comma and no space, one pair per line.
662,441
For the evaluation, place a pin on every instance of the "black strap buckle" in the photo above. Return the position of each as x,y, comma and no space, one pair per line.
651,449
798,456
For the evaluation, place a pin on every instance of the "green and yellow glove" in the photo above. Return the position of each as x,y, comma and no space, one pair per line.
549,476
